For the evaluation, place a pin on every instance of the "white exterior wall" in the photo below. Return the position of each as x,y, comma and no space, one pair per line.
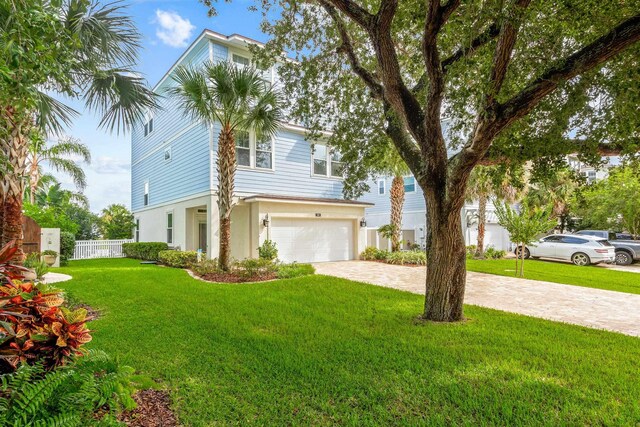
495,234
153,222
50,239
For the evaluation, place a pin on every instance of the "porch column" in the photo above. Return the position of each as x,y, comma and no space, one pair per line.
213,221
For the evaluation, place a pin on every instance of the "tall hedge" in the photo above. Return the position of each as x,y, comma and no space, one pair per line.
67,246
144,250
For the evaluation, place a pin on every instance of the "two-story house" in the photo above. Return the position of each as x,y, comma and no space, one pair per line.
285,191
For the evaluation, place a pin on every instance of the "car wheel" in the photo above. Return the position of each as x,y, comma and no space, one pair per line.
623,258
580,259
527,254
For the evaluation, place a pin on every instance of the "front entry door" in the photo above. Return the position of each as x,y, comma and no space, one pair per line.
202,236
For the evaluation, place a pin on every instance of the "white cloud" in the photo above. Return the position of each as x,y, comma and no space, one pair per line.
173,29
110,166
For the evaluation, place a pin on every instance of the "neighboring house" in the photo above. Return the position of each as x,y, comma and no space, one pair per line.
592,174
284,190
414,217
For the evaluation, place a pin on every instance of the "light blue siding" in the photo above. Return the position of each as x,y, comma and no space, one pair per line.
413,201
185,174
292,173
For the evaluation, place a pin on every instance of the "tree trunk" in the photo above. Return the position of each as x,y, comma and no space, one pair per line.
226,176
396,195
446,264
482,223
1,219
13,179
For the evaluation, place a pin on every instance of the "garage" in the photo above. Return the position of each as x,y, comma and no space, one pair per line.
312,239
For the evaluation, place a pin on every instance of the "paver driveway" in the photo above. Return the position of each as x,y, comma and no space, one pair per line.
595,308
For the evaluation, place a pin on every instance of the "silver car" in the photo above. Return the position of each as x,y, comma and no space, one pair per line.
580,250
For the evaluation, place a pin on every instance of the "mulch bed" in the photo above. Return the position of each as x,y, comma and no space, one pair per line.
400,265
234,278
153,410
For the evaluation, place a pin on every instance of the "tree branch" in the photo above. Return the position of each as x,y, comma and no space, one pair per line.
568,147
355,12
594,54
347,48
489,34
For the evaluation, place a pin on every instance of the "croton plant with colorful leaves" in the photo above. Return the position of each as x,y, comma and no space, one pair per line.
34,324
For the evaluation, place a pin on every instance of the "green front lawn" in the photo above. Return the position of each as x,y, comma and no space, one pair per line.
558,272
319,351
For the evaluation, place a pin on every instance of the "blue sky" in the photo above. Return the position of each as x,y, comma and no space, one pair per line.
168,27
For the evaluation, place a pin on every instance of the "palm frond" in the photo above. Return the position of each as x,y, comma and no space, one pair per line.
67,147
120,97
69,167
52,115
106,32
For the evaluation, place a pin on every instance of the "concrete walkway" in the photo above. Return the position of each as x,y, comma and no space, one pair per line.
55,277
595,308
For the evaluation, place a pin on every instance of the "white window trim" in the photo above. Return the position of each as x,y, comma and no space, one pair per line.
415,184
145,192
328,160
252,155
172,228
247,54
148,117
384,187
136,231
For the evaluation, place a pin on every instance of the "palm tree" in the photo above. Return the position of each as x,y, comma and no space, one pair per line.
85,49
239,100
57,156
51,194
391,164
485,183
556,190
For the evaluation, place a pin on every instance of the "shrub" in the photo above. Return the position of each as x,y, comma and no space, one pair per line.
34,262
88,392
471,251
206,266
371,253
144,250
254,268
178,259
407,257
67,246
288,271
493,253
268,250
49,252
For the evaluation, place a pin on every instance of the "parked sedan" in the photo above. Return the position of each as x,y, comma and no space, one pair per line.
580,250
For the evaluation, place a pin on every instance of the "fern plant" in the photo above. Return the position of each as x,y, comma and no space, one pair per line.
67,396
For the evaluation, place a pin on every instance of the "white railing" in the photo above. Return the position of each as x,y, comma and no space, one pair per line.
87,249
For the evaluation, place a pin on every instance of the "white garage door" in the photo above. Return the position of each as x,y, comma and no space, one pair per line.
312,240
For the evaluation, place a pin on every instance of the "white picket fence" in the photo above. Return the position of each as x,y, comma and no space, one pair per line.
87,249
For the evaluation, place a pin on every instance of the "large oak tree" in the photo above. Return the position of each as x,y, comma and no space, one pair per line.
516,80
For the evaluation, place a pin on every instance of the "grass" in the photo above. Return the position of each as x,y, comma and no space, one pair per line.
318,351
557,272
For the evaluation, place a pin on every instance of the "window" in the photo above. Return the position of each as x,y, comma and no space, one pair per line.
337,167
320,160
148,126
327,161
264,154
169,227
552,239
137,229
409,184
167,154
243,148
146,193
240,61
573,240
381,187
